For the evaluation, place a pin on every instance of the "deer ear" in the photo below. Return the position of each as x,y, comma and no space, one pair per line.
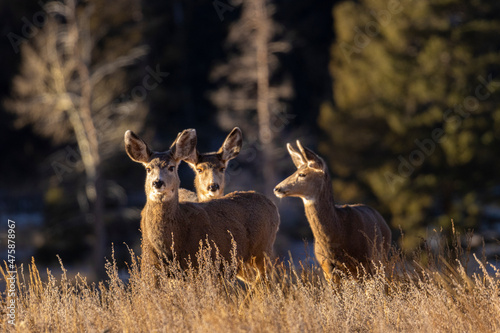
136,148
185,145
313,160
192,159
232,145
297,158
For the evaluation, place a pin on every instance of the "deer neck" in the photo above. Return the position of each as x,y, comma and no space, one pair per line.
160,221
322,216
200,197
161,211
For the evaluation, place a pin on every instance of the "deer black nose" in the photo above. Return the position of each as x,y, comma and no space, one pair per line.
158,183
213,187
277,189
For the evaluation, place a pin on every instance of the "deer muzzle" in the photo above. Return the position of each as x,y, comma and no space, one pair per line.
213,187
157,184
279,192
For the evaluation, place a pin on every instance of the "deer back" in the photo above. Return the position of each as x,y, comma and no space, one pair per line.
249,218
365,231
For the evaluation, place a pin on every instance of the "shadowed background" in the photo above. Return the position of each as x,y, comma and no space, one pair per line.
399,97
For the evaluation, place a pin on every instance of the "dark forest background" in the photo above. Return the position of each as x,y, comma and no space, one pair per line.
400,97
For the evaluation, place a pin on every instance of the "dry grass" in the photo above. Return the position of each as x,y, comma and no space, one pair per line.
431,292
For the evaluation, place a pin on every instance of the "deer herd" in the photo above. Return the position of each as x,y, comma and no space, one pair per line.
176,221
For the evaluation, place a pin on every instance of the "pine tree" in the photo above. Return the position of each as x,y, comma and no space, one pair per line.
416,117
251,94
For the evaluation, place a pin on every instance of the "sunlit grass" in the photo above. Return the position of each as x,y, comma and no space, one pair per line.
428,291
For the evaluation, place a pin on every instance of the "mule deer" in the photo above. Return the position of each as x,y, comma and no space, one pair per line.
209,169
171,227
345,236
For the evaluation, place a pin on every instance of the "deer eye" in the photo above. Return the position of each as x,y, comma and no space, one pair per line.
171,168
199,170
222,169
148,170
302,174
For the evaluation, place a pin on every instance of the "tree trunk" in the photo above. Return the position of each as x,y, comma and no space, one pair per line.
95,186
86,136
97,208
94,190
265,133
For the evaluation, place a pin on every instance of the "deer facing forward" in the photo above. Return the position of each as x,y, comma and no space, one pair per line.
344,236
210,169
171,227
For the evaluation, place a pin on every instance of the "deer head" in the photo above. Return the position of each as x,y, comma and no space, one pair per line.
308,179
210,168
162,180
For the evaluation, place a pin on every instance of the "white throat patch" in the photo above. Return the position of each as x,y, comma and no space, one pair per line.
308,200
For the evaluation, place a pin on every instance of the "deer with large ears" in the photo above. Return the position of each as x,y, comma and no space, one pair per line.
209,169
345,236
171,227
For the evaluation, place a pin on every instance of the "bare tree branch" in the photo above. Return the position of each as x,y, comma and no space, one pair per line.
112,66
57,86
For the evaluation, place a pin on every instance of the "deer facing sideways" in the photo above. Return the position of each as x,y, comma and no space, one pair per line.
209,169
169,226
345,236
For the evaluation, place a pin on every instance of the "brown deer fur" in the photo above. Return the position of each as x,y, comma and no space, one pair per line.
209,169
169,226
345,236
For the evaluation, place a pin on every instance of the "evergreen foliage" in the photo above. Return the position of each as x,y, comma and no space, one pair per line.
415,118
